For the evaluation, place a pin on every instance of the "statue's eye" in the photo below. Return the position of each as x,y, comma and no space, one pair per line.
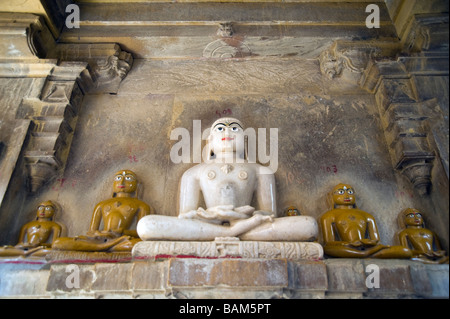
129,178
419,215
118,178
221,128
411,215
41,207
235,128
341,192
350,191
47,208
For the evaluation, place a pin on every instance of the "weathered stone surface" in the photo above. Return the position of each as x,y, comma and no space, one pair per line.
187,29
394,280
345,276
27,279
149,276
112,277
308,275
228,272
439,280
421,279
225,278
80,280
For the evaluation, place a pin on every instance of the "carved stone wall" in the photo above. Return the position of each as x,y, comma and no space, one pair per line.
50,81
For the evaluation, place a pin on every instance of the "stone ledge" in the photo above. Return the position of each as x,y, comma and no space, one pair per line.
226,278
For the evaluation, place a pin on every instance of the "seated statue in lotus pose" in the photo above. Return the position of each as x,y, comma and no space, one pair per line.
352,233
36,237
117,214
423,242
228,183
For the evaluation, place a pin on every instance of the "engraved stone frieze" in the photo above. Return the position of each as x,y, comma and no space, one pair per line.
228,247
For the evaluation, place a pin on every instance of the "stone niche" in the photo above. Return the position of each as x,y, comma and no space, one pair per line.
324,136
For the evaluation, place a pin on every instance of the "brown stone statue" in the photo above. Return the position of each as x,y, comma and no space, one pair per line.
291,211
423,242
36,237
117,215
352,233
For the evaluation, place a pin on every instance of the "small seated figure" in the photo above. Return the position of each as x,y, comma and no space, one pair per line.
352,233
228,183
117,214
36,237
291,211
423,242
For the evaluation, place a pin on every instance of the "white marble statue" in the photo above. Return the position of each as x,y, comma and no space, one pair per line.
228,183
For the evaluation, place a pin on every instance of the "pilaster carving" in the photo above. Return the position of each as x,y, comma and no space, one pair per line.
404,116
52,105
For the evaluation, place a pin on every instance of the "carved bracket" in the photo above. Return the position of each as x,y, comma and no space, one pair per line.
108,64
353,56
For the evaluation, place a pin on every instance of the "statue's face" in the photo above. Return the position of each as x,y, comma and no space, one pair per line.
45,210
227,135
413,218
344,195
125,182
292,211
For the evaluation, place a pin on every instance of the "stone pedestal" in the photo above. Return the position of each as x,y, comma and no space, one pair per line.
225,278
228,248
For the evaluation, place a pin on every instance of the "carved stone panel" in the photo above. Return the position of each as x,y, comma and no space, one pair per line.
228,247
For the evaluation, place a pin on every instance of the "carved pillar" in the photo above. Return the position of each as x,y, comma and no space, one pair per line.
407,113
52,105
405,123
